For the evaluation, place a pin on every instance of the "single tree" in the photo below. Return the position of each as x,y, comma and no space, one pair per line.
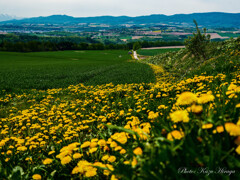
198,44
136,46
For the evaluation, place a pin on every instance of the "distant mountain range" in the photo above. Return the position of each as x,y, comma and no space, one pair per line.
211,19
6,17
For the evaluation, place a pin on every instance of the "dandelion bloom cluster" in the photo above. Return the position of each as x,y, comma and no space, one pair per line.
90,131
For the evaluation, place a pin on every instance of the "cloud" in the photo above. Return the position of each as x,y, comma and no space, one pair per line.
29,8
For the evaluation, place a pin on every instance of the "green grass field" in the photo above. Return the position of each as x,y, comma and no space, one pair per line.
230,35
43,70
152,52
126,37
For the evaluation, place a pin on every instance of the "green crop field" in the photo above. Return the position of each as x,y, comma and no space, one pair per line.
152,52
43,70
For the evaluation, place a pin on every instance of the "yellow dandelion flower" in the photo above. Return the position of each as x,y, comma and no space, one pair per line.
175,135
110,167
66,160
232,87
186,98
134,162
47,161
99,164
122,139
94,140
101,142
123,151
37,177
232,129
180,115
71,146
121,113
22,148
207,126
86,144
93,144
91,173
112,159
75,170
118,148
63,154
9,152
106,148
104,158
162,107
92,150
113,177
197,109
126,162
113,144
152,115
106,172
205,98
219,129
138,151
77,155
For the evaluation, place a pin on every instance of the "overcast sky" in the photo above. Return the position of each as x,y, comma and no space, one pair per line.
83,8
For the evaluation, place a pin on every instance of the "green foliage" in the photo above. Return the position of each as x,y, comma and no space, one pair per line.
223,56
198,44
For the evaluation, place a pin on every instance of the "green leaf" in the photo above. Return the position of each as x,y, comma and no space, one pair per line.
17,173
53,173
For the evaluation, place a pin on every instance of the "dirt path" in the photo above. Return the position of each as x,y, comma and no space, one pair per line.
135,55
165,47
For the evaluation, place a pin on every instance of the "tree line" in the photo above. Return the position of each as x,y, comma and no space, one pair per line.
24,45
34,46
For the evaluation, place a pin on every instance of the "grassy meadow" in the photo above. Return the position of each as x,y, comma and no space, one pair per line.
153,52
184,123
44,70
